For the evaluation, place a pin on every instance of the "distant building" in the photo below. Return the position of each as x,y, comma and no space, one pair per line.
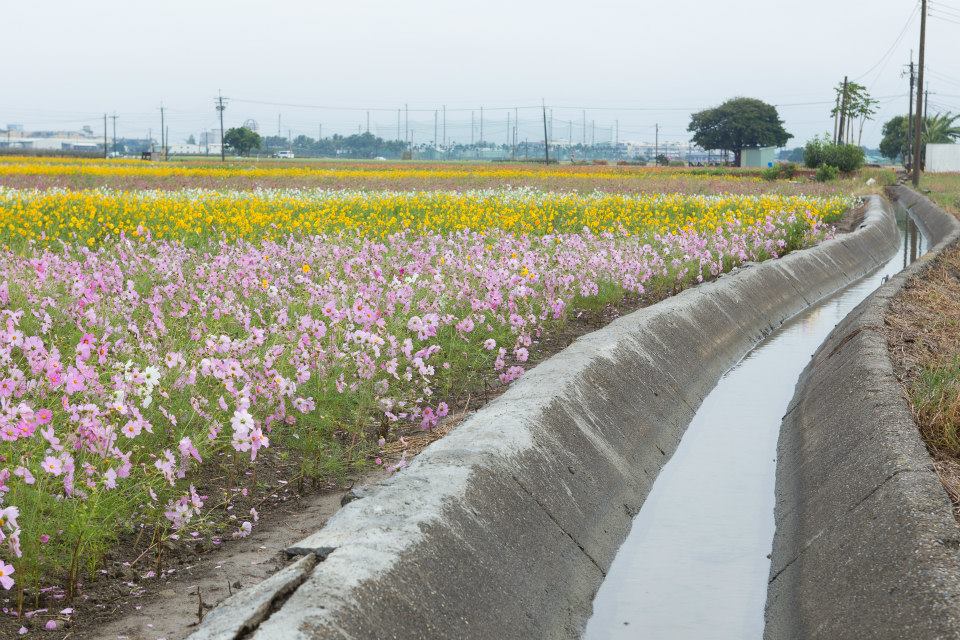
942,158
15,137
758,157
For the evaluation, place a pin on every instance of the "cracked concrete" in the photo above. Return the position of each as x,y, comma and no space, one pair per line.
505,527
861,517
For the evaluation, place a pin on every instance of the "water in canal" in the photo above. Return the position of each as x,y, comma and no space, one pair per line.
695,563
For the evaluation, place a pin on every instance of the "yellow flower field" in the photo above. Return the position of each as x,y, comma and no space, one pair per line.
90,215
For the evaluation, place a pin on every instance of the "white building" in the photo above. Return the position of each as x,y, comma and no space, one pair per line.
943,158
14,137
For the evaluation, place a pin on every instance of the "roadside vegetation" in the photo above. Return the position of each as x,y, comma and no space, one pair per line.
924,341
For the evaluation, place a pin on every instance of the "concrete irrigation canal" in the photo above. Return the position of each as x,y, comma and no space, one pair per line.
696,562
633,485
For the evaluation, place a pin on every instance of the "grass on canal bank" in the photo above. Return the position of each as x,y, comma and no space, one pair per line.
924,342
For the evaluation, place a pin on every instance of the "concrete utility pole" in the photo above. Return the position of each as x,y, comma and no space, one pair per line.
909,154
114,116
220,108
843,112
918,130
656,144
836,118
104,135
546,140
163,134
616,139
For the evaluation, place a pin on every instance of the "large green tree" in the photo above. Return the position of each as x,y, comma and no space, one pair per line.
737,124
242,140
894,142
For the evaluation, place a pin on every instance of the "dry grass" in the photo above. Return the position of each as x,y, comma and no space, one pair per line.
924,341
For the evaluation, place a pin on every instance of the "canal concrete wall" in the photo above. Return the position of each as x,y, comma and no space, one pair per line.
506,527
866,544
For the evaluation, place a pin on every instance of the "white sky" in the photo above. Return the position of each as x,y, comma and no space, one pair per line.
63,63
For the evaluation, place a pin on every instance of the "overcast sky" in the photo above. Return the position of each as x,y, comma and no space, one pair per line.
63,63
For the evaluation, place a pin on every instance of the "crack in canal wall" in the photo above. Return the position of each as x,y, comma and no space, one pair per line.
866,542
505,527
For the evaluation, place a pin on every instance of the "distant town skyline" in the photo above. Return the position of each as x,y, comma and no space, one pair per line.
299,66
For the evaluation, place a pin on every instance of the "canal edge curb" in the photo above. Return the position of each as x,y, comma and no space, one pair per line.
866,542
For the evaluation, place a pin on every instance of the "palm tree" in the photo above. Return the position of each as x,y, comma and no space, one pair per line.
941,129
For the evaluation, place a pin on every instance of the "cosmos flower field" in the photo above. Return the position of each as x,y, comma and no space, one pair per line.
158,347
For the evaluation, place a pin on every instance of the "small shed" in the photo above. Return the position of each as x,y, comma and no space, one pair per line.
943,158
758,157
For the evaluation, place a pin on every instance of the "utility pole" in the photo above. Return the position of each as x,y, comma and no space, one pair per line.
843,112
434,128
656,144
616,139
368,122
114,116
836,118
918,126
104,135
163,134
406,123
220,108
546,140
909,154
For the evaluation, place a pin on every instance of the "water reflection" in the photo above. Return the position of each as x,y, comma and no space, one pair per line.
695,563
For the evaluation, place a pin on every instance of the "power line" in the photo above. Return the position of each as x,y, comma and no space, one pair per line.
886,56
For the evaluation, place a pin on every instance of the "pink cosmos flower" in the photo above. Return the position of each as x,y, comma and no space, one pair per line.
75,381
52,465
6,570
23,472
8,516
